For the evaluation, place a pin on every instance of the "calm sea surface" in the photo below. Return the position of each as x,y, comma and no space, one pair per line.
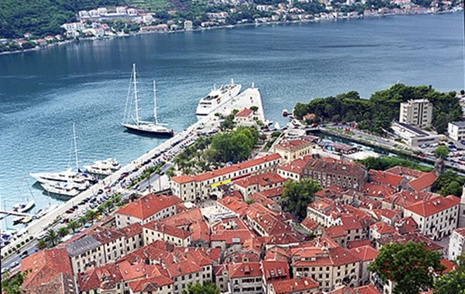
43,92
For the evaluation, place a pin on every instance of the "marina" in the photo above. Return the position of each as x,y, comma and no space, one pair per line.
87,83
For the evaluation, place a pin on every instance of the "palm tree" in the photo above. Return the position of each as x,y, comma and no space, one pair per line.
51,237
170,172
63,231
73,225
90,215
158,172
116,199
83,220
107,205
42,244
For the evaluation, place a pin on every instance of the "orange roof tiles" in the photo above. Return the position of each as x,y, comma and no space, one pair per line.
265,179
226,170
368,289
244,269
383,228
92,278
244,113
151,284
293,144
235,205
292,285
45,265
365,253
167,229
423,182
434,205
295,166
148,205
387,178
309,224
274,269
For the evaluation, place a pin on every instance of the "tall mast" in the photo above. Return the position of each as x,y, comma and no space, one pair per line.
136,99
155,103
75,146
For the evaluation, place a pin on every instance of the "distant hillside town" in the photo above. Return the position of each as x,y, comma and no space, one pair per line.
103,22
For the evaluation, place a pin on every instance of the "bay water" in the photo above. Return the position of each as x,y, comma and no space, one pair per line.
43,92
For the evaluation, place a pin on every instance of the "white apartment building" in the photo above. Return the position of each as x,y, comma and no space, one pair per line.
456,130
200,187
437,216
416,113
457,240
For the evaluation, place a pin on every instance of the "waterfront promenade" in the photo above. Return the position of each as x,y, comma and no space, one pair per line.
246,99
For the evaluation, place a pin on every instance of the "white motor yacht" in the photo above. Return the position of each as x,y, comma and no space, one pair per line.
216,98
103,167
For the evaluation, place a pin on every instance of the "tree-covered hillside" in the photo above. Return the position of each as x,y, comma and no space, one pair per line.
377,113
41,17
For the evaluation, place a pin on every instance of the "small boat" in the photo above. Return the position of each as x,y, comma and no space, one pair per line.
137,125
27,220
24,206
59,189
18,220
217,98
103,167
285,112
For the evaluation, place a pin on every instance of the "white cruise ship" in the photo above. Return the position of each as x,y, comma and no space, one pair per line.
217,97
103,167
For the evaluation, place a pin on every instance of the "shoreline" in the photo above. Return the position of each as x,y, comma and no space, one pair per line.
66,42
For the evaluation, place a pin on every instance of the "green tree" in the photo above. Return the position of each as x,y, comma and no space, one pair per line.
63,231
410,266
12,285
51,237
107,206
297,195
82,220
441,152
91,215
254,108
73,225
158,172
207,288
170,172
42,244
451,282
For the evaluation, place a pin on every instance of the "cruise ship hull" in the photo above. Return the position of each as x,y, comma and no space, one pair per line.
209,104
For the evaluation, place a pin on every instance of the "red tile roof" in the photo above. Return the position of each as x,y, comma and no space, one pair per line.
148,205
294,285
423,182
357,243
92,278
184,218
404,171
265,179
378,190
226,170
235,205
291,145
309,224
167,229
244,113
295,166
244,269
365,253
273,269
335,232
387,178
45,265
383,228
368,289
151,284
434,205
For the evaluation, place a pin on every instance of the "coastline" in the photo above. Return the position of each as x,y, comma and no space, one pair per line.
65,42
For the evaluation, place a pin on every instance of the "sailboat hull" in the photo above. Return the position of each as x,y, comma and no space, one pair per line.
149,129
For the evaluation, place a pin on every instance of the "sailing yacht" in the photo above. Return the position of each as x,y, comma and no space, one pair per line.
145,127
68,178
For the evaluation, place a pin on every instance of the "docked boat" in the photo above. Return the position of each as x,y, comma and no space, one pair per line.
69,177
103,167
285,112
24,206
217,98
135,124
62,190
